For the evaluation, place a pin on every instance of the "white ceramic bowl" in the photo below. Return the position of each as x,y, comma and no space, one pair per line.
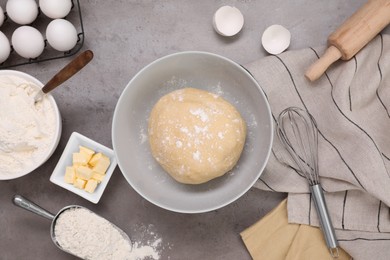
204,71
58,128
72,146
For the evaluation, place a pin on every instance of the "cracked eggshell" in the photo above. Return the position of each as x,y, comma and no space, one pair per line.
276,39
228,20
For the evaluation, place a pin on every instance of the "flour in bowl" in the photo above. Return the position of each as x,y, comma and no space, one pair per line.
27,130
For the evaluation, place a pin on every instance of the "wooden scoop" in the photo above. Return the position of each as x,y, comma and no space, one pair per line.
352,35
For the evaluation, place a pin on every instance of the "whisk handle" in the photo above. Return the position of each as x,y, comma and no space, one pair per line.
325,221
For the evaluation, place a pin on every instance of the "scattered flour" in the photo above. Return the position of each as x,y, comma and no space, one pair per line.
202,130
140,251
218,89
143,137
196,156
149,243
201,113
184,130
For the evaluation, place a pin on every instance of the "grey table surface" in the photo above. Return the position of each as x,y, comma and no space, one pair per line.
125,36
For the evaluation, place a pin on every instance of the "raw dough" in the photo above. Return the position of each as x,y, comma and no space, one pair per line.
195,135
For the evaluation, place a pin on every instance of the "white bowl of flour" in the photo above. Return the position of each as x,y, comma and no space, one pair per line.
29,132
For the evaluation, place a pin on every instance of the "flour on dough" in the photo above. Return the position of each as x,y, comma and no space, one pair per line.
195,135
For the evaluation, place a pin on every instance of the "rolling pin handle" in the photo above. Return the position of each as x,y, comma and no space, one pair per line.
318,68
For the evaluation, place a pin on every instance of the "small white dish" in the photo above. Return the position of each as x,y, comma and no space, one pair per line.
72,146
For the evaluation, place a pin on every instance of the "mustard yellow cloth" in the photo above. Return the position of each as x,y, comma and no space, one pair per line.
273,238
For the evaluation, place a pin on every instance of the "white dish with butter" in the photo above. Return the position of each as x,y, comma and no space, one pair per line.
68,159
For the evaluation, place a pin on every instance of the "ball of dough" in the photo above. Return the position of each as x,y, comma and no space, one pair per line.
195,135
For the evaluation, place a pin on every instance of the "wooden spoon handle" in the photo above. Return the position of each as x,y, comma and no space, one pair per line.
68,71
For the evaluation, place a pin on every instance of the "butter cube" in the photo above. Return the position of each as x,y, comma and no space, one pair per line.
70,175
95,158
91,185
79,183
80,159
84,172
101,165
98,177
86,152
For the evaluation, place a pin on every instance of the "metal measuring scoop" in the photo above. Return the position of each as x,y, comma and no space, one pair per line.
32,207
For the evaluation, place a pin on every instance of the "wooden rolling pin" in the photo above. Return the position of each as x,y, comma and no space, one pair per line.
352,35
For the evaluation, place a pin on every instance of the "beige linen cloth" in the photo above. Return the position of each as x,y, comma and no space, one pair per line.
351,104
273,237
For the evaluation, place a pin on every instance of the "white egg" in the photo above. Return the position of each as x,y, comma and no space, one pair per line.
28,42
1,16
228,20
55,8
5,48
61,35
276,39
22,11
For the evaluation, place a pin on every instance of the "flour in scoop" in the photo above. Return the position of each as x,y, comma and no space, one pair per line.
89,236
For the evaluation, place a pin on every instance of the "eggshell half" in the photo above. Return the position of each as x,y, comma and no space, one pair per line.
228,21
276,39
